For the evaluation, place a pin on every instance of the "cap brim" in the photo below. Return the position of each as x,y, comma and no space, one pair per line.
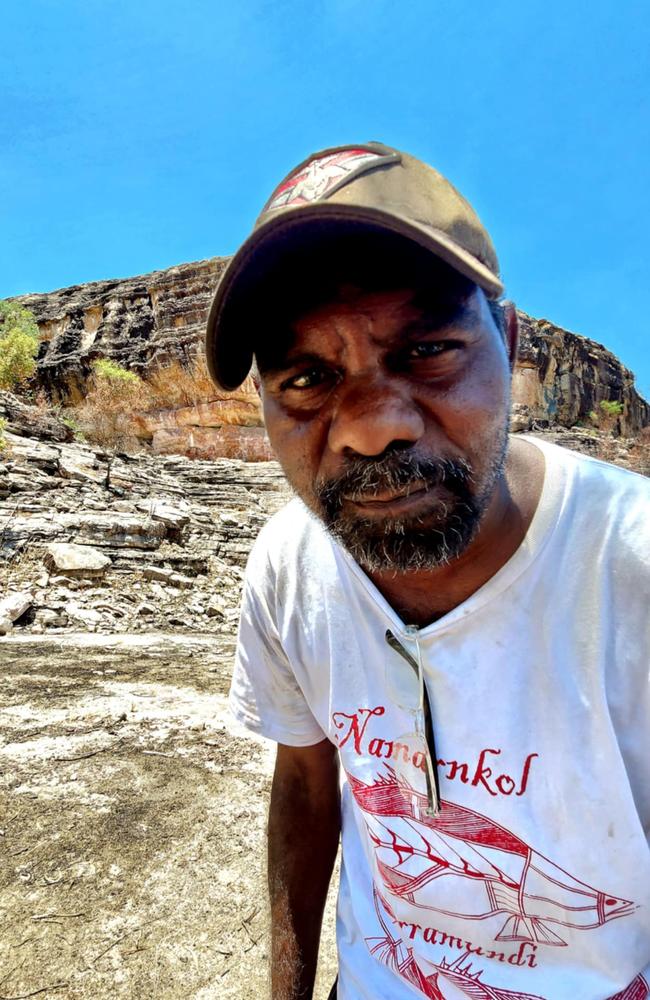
229,357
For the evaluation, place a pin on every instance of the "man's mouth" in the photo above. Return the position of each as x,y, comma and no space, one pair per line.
401,512
389,499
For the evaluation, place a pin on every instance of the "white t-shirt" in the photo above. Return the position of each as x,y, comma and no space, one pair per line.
533,883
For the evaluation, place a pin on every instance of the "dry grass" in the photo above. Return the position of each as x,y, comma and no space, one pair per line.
111,415
106,417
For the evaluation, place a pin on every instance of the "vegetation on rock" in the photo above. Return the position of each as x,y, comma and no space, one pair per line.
106,416
605,418
177,402
19,340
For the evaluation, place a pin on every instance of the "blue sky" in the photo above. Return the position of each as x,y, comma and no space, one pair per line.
139,135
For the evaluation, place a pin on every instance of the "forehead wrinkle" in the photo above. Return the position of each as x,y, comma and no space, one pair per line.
392,311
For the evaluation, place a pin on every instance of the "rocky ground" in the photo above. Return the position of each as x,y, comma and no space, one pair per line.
115,543
132,816
132,808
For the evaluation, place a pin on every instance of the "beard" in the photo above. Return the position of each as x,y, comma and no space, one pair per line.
434,536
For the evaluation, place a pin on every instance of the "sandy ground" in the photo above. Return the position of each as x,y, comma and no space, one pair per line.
132,816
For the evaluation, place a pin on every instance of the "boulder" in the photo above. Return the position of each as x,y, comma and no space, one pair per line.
15,604
76,560
157,573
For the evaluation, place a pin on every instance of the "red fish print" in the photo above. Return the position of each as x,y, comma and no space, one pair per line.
498,872
638,990
444,981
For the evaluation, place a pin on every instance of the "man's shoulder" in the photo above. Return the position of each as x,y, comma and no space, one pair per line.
286,538
606,503
590,472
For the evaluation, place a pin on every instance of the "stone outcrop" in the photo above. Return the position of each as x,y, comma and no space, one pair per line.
561,377
214,429
145,322
141,323
30,421
115,543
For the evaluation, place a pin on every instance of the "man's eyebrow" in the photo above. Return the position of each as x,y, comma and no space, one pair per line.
289,360
437,317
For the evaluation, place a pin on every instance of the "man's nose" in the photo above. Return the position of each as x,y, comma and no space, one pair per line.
373,414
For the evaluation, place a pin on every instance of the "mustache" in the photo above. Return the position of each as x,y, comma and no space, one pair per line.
364,478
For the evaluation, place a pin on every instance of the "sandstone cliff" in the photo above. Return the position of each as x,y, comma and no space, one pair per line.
140,322
561,377
146,321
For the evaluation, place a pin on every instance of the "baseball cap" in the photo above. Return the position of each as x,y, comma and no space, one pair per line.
368,184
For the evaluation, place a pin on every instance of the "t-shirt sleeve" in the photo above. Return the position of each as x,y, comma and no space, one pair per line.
265,695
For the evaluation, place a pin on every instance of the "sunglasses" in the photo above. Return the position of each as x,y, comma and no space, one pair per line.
414,754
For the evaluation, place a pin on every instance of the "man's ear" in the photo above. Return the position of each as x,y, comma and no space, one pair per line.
511,332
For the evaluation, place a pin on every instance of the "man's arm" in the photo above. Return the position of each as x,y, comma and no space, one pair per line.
303,833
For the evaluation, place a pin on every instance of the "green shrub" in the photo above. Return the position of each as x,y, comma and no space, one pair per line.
109,371
19,340
607,414
3,440
73,425
611,408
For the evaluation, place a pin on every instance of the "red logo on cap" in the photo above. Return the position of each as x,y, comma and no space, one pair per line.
317,178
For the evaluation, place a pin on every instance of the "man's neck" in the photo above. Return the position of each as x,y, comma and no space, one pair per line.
423,596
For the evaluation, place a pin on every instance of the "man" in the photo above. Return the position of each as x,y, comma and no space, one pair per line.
458,619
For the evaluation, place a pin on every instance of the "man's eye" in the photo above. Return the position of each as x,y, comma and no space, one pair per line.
431,348
305,380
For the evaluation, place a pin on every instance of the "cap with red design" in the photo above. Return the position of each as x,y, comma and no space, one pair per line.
371,184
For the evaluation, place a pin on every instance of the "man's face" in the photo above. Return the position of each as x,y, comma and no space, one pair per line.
389,416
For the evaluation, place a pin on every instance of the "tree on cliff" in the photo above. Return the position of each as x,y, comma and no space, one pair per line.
19,340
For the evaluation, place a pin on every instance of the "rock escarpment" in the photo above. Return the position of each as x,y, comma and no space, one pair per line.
141,323
561,377
146,321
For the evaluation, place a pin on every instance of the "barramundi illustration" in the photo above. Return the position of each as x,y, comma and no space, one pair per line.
453,980
500,873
